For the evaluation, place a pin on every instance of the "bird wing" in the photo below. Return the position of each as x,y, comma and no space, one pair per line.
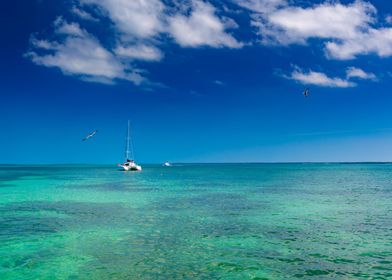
90,135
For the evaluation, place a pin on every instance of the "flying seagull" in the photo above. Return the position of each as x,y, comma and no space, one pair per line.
306,92
90,135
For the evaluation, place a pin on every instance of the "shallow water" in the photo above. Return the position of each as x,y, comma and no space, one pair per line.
248,221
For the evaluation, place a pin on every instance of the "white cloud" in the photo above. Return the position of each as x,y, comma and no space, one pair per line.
139,26
82,14
73,29
201,28
43,44
219,83
148,19
319,79
136,18
139,52
82,55
377,41
347,30
323,21
262,6
354,72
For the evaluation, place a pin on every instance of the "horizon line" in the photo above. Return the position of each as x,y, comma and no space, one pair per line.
219,162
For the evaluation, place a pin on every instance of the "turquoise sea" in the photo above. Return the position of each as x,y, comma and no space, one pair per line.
211,221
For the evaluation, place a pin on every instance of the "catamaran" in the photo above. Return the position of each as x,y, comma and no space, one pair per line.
129,164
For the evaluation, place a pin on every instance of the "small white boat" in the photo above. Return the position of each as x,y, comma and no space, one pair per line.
129,164
167,164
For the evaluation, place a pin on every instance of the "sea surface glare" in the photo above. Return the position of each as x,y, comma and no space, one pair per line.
208,221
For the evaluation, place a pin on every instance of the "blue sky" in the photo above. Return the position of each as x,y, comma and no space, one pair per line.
201,81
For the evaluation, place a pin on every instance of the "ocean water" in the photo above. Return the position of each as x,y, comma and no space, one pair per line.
246,221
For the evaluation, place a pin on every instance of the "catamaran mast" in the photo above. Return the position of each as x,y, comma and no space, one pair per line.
129,144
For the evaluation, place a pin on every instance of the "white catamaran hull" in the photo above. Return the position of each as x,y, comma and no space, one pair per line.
131,167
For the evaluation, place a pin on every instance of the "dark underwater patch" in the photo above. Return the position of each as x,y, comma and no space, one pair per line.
3,185
27,218
16,176
115,187
217,203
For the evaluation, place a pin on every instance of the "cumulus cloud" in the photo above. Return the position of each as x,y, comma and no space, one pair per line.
319,79
323,21
146,19
262,6
72,29
219,83
138,28
354,72
201,28
139,52
82,14
377,41
136,18
347,30
81,54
